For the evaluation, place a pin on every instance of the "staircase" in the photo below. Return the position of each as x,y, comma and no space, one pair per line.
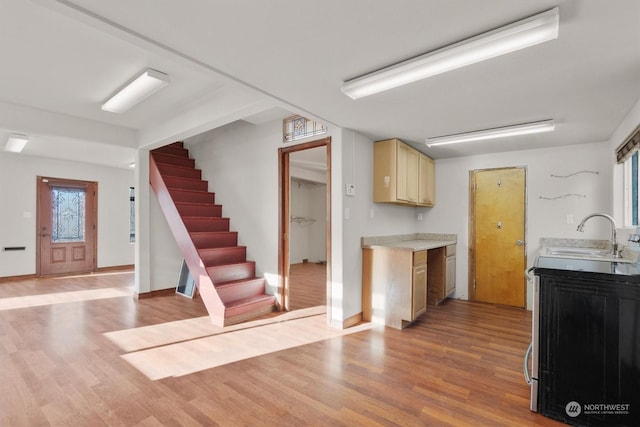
226,281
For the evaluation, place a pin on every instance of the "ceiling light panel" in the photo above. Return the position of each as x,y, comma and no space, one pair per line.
140,88
518,35
495,133
16,142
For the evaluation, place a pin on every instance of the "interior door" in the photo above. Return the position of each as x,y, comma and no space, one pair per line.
66,226
498,254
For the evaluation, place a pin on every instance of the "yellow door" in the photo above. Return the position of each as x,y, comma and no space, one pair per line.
498,254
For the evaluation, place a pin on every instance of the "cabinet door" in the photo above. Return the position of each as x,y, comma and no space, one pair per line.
419,291
426,183
450,279
407,174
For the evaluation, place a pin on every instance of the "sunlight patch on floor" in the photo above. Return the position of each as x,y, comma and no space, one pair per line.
62,297
194,355
184,330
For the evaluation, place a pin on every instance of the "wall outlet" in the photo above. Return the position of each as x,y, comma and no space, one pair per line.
419,217
372,213
347,213
569,218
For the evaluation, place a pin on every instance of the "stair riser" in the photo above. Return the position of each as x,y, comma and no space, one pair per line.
199,210
192,196
220,256
208,224
248,311
171,170
241,290
227,273
174,182
173,151
215,240
174,160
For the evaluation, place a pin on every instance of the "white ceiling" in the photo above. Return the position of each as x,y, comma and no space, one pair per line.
243,59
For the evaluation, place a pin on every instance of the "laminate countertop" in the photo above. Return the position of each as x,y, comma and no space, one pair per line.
413,242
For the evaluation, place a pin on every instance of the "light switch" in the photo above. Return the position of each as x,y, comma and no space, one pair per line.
350,190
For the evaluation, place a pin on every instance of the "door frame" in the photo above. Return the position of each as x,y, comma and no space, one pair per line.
65,182
284,194
472,234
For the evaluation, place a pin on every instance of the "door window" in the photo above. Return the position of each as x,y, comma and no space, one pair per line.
67,209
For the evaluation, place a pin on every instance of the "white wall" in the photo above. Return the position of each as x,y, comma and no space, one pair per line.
18,197
545,218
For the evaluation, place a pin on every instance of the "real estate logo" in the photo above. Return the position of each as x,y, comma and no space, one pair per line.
573,409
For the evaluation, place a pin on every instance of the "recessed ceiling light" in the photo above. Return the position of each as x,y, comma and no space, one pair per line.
16,142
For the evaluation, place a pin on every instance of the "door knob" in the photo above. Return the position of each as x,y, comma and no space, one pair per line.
519,242
45,235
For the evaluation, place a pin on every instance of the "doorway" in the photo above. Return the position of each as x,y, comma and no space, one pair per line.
497,249
66,226
305,229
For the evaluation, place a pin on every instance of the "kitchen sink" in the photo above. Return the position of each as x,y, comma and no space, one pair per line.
588,253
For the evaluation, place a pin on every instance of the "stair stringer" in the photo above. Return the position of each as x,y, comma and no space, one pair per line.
213,303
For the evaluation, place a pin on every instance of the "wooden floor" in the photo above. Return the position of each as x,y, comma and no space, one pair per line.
308,285
460,364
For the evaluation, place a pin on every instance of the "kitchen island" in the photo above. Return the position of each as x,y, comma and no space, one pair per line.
402,274
588,341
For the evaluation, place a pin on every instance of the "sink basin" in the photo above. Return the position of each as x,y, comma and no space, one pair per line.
587,253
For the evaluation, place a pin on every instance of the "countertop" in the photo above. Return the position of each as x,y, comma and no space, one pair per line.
412,242
582,268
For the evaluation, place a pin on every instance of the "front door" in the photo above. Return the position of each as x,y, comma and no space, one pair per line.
497,236
66,226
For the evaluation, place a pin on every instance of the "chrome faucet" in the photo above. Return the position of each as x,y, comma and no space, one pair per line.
614,242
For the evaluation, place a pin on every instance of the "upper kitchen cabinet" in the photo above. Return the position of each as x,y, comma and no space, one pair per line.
426,181
402,174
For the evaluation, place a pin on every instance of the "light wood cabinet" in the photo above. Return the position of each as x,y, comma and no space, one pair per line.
394,285
450,274
419,284
402,175
442,273
426,181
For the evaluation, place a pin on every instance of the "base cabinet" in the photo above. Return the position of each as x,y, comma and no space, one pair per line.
419,284
394,285
442,273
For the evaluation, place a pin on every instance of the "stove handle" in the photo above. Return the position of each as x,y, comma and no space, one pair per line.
525,368
528,274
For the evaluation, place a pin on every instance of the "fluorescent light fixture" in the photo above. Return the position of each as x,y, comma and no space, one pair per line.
518,35
16,142
138,89
480,135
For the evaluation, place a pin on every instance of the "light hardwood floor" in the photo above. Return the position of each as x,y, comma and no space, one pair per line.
460,364
308,285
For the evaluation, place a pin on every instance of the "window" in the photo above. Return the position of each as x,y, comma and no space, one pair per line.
631,190
298,127
132,214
